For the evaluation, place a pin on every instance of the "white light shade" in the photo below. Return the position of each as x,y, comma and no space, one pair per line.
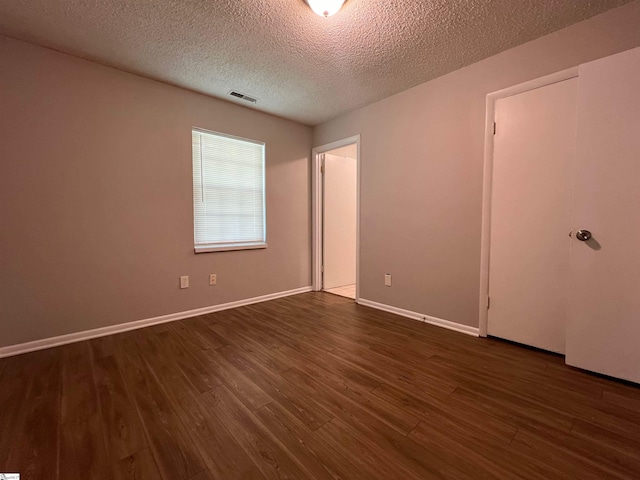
325,8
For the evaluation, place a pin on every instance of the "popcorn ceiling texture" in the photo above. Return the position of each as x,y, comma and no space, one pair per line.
300,66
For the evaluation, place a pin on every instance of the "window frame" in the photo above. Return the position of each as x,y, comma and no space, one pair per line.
230,246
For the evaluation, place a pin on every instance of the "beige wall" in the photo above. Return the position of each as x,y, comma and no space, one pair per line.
96,216
422,157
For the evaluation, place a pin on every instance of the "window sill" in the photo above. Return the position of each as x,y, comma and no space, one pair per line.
229,248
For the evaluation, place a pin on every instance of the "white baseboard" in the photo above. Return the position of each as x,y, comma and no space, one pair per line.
125,327
458,327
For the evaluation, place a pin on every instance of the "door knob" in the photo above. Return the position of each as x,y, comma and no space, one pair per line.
583,235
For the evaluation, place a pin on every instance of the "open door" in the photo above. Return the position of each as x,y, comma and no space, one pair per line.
603,332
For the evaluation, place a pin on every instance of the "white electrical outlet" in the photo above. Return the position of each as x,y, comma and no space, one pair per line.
184,281
387,279
213,279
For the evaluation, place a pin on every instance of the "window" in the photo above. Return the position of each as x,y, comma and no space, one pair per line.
228,192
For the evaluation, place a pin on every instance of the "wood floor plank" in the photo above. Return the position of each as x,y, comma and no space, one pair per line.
102,346
619,448
191,361
626,393
188,334
183,396
173,449
123,433
320,457
399,419
545,449
82,448
216,369
331,366
247,391
137,466
371,457
32,437
460,422
625,407
375,429
559,400
220,452
467,449
203,475
393,372
232,327
582,450
256,345
268,454
306,409
513,408
223,455
12,407
201,327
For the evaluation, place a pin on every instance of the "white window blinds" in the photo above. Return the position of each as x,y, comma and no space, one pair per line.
228,192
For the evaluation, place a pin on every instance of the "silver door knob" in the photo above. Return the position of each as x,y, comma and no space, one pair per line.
583,235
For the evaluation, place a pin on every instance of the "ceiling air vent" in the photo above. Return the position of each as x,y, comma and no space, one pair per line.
244,97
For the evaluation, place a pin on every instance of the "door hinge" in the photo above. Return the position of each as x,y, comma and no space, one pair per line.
488,302
322,268
494,128
322,163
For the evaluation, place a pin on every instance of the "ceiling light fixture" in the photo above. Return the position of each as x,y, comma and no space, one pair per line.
325,8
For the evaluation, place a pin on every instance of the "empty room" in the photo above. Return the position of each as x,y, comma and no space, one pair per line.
319,239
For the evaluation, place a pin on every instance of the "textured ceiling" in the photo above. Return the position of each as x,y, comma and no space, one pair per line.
299,66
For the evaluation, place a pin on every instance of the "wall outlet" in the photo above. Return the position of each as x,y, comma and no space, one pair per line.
184,281
387,279
212,279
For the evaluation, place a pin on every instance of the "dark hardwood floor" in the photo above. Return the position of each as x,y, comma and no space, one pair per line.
310,387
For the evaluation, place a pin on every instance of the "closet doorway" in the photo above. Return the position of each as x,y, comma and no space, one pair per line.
560,262
534,144
526,218
336,174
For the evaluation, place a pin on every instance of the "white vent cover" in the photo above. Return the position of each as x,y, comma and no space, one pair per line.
243,96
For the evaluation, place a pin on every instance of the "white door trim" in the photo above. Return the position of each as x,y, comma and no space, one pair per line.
316,211
485,243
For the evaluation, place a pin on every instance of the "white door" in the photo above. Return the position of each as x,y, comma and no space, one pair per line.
339,220
604,305
530,215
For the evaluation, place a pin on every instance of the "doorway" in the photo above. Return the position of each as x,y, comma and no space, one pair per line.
336,217
560,264
527,211
533,157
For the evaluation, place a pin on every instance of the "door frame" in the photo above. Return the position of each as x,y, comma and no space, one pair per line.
317,193
485,242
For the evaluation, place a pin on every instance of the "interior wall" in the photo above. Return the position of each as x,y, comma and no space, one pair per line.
340,216
421,168
96,208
